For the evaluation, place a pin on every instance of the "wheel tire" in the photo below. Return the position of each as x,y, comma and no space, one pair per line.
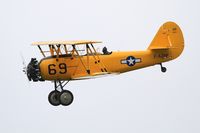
66,98
163,69
54,98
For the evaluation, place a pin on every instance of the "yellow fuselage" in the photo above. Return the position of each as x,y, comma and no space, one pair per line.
68,68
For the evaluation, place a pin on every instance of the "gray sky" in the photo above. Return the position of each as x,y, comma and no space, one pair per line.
141,101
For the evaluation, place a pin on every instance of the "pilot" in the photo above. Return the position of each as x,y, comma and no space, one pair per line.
105,51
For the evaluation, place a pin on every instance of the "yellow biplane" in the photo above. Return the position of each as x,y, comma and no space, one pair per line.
64,61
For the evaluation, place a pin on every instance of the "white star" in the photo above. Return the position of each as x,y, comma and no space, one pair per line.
131,60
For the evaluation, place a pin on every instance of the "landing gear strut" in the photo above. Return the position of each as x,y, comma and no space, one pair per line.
163,69
63,97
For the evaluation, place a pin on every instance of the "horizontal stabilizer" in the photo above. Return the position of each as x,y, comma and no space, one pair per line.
156,48
162,48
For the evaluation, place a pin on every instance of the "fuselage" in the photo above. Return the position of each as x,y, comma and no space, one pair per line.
67,67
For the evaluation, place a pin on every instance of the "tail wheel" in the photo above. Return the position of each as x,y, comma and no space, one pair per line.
54,98
66,97
163,69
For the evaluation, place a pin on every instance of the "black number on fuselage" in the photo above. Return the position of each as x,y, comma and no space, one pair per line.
63,68
52,69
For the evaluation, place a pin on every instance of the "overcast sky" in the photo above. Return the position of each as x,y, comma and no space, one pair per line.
142,101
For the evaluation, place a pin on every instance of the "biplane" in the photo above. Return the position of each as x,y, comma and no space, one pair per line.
64,61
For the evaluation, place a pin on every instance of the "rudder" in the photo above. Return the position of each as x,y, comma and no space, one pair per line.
170,37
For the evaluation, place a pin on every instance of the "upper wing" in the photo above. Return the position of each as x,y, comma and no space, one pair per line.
78,42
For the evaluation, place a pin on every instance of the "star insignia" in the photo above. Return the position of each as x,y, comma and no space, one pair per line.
130,61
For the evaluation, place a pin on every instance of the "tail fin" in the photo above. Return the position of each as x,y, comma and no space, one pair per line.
169,37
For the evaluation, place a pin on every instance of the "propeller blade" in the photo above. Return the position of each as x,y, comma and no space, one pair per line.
24,69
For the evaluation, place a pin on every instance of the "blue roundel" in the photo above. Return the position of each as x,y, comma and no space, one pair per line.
130,60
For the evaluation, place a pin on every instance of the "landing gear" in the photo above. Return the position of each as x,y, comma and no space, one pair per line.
163,69
63,97
54,98
66,98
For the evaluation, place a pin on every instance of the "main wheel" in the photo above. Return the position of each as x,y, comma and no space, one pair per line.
54,98
66,98
163,69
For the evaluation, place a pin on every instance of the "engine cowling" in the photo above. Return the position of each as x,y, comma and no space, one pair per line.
33,71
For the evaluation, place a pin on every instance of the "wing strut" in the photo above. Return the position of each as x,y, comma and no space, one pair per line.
41,50
74,48
103,68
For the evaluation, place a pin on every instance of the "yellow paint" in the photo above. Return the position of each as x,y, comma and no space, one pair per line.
167,45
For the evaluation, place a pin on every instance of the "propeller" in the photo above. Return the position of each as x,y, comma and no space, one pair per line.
31,70
24,69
